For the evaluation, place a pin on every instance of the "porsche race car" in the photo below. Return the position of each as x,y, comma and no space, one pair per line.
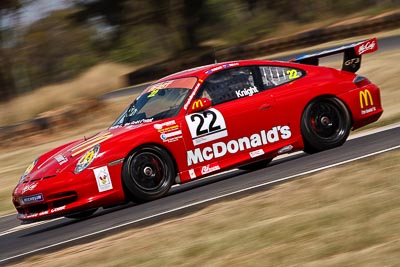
201,121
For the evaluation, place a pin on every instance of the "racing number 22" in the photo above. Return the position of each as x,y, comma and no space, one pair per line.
292,74
206,126
211,126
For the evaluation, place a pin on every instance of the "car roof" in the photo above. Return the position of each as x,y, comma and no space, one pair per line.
203,71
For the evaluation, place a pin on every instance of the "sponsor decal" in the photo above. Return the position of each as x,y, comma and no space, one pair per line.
29,187
367,47
140,121
159,126
214,69
31,199
246,92
206,126
365,98
197,104
159,86
225,66
90,143
103,179
285,149
256,153
43,213
169,131
366,101
194,91
368,110
171,136
220,149
87,159
210,168
57,209
192,174
61,159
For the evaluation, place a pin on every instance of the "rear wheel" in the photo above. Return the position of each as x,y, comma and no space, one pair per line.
325,124
148,173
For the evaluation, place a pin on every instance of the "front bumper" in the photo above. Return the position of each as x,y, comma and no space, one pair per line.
63,194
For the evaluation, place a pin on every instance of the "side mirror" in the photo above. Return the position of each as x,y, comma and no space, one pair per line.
200,105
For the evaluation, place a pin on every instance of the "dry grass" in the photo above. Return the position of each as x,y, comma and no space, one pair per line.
347,216
91,84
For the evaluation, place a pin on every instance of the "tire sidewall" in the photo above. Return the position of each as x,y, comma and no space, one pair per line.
314,142
135,192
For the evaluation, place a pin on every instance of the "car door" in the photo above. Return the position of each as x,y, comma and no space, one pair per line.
282,84
237,127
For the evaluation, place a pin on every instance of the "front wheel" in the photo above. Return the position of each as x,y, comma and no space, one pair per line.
325,124
148,174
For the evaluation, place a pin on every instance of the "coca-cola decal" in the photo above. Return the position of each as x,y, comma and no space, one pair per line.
367,47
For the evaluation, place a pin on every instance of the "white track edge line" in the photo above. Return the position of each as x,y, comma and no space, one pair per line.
204,201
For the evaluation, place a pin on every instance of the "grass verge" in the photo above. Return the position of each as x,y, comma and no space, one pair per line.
346,216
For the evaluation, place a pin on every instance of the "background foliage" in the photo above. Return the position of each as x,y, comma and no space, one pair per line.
62,44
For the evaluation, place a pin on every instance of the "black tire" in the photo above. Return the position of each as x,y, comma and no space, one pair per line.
148,174
82,214
325,124
256,165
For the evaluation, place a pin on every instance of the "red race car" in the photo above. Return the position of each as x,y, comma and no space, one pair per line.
201,121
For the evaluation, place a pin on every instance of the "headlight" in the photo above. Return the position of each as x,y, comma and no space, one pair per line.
28,170
86,159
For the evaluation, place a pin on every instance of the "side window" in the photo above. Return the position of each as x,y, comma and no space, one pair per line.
229,84
275,75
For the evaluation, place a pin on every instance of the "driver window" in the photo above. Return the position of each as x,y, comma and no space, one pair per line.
230,84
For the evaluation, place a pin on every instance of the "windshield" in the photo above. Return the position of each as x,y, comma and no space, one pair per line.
158,101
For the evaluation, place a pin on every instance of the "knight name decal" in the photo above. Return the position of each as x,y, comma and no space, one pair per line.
220,149
246,92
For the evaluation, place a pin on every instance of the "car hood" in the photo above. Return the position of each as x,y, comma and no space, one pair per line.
66,157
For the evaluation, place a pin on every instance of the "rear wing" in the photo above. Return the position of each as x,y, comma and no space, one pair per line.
351,54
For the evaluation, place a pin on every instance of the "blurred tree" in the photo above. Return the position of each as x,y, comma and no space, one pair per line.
193,14
7,87
122,15
57,49
112,12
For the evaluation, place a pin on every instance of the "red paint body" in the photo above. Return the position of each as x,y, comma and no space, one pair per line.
262,125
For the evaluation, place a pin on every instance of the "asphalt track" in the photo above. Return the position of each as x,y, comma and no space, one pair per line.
19,241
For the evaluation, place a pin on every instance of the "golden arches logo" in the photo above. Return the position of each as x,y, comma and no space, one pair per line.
197,104
366,98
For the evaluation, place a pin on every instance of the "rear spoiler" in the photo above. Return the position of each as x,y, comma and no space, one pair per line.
351,54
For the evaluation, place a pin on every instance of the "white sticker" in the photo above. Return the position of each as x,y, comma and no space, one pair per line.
256,153
206,126
103,179
192,174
